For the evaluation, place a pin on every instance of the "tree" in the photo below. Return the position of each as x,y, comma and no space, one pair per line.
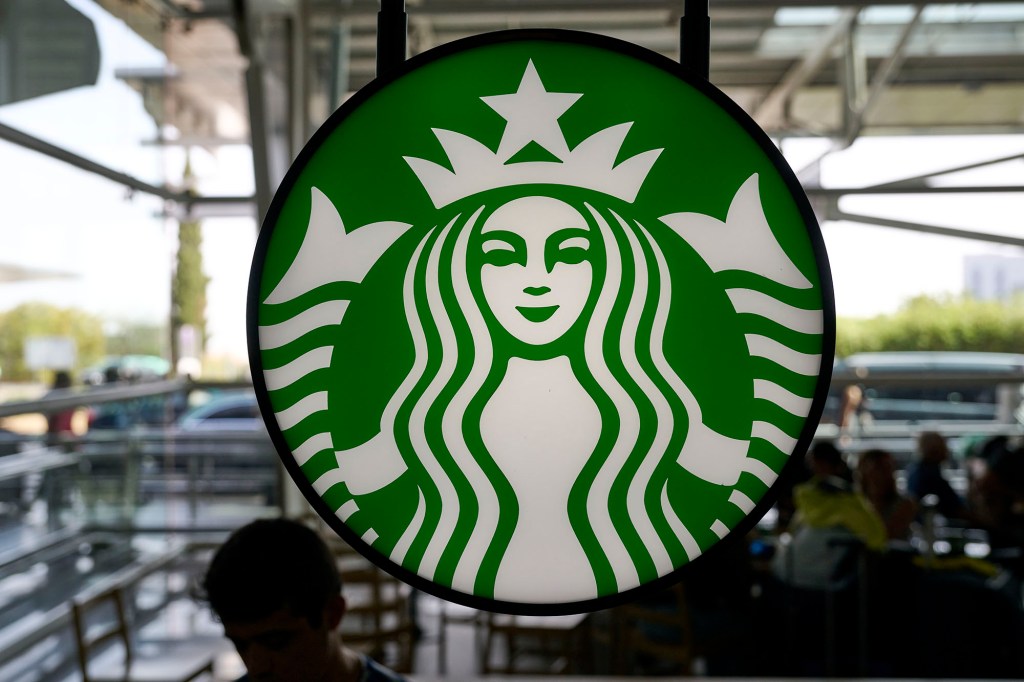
138,338
43,319
188,284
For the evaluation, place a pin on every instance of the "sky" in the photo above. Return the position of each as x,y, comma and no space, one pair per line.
115,244
876,269
120,251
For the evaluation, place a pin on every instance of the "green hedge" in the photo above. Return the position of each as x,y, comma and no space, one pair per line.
926,323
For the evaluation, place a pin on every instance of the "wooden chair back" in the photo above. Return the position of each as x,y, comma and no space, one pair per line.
100,619
534,645
89,639
378,619
656,636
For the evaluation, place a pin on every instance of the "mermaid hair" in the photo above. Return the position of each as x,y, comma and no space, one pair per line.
467,510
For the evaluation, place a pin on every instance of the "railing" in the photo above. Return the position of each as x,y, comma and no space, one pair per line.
182,471
157,461
901,439
64,399
120,492
41,637
105,477
960,422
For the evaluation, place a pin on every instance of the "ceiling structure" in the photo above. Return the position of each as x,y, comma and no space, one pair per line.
270,71
797,67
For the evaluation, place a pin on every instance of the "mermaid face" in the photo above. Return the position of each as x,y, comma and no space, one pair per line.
537,275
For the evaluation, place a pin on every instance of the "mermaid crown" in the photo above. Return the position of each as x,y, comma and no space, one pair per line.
532,116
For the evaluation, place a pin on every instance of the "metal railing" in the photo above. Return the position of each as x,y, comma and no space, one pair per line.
149,460
110,488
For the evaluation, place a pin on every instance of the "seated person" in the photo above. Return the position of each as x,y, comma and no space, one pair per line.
996,495
876,480
925,476
274,586
831,523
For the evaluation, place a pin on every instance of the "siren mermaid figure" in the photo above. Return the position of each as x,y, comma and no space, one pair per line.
538,422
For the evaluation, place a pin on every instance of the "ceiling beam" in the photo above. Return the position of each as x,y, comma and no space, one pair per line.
27,141
837,214
890,190
887,70
918,181
363,7
771,113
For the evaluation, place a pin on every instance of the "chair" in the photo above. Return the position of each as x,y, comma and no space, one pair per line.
377,621
654,636
825,573
456,614
94,631
542,645
605,643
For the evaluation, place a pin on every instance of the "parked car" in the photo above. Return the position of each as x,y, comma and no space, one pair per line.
227,427
222,443
10,442
234,410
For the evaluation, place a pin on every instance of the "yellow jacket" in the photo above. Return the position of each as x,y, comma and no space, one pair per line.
820,505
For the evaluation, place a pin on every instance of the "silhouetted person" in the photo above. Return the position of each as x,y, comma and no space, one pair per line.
831,523
996,496
275,587
876,479
854,414
925,476
59,425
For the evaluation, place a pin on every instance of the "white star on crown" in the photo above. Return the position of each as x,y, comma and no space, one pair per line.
532,116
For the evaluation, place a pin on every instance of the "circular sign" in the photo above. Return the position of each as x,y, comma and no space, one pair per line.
539,320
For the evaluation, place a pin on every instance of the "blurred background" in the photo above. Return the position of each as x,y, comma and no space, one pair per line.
141,142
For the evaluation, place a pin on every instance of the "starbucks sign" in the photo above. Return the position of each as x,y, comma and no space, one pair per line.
539,320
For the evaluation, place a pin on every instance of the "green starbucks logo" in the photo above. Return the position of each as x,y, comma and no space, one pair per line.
539,321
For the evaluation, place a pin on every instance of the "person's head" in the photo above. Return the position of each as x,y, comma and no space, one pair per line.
825,460
275,587
932,448
876,472
996,483
61,379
